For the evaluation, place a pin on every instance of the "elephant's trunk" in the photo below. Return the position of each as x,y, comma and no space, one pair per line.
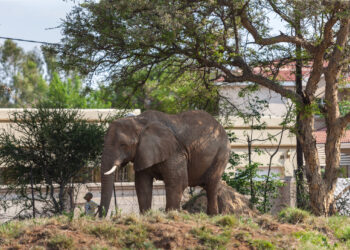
109,165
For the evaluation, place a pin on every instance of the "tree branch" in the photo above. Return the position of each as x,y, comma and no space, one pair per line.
281,14
317,67
344,120
276,39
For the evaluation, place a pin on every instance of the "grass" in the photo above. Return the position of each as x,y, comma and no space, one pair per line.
104,230
136,236
60,242
11,230
341,227
313,239
291,229
211,239
226,221
293,215
263,245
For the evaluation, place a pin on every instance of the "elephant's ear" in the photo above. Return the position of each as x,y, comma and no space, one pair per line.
156,144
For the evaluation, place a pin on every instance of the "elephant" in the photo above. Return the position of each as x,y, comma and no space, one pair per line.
187,149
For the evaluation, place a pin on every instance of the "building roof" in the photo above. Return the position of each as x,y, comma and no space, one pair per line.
321,136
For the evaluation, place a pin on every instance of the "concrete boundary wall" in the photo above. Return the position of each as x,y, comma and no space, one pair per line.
125,193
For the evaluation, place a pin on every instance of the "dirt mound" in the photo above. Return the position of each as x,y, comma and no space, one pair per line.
229,202
174,230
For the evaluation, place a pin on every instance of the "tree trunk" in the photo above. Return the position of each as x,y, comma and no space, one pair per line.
321,188
299,173
313,170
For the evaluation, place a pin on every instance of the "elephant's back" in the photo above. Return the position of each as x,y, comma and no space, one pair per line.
192,128
203,138
200,127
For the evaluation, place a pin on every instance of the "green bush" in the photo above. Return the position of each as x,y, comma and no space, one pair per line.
293,215
56,147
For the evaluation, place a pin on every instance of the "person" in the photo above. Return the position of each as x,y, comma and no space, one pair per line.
90,206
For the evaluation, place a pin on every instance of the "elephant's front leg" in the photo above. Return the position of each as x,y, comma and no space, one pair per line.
175,180
144,185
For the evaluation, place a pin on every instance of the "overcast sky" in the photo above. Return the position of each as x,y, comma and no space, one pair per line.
32,20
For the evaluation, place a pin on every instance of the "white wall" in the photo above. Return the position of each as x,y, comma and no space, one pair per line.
277,104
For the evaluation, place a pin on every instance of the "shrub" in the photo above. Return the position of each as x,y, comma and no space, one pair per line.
293,215
56,146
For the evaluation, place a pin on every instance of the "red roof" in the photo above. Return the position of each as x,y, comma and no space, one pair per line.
321,136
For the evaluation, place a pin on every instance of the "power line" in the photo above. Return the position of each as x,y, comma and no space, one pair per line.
28,41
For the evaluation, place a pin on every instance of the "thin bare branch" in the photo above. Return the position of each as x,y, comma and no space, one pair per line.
282,38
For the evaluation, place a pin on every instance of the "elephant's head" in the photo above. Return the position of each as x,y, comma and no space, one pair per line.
119,149
133,139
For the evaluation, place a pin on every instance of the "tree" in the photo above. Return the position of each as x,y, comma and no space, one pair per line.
49,149
72,94
65,94
166,91
233,38
21,76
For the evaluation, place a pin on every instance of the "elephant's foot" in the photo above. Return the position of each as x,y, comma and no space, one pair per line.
173,198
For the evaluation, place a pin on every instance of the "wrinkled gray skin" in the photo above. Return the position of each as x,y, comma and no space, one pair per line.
188,149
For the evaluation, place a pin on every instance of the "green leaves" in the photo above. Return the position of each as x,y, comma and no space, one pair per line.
56,143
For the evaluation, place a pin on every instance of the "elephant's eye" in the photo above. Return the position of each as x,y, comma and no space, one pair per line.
123,145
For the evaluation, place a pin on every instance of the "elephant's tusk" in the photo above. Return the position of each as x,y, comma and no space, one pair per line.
112,170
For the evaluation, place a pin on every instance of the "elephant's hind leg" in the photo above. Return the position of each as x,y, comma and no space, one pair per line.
212,196
144,186
213,178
